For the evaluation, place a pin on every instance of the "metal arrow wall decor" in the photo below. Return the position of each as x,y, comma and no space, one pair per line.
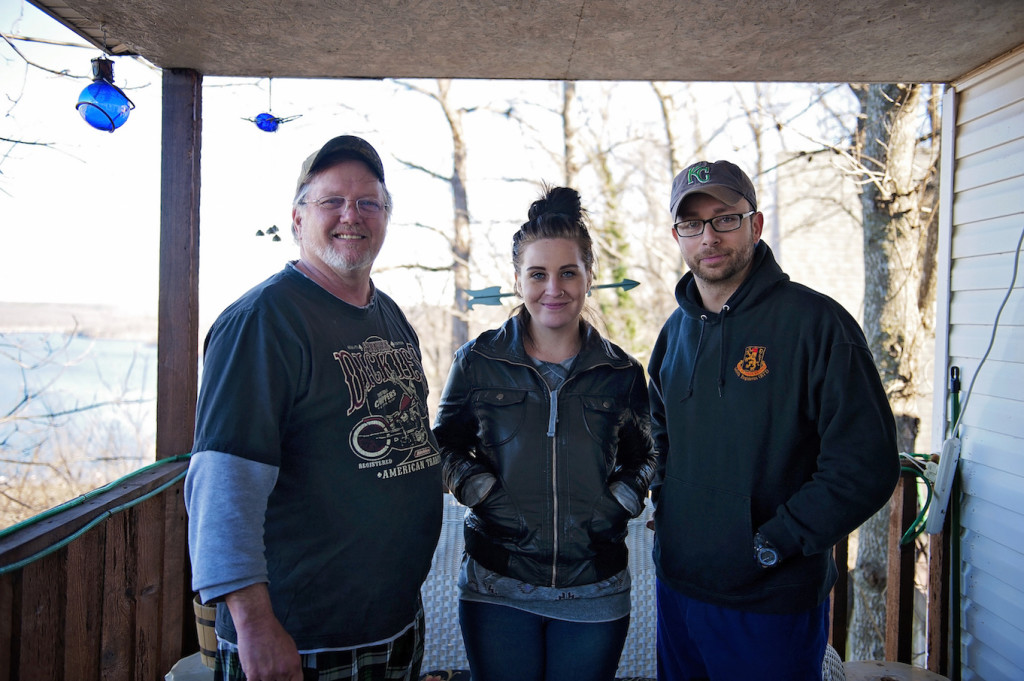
492,295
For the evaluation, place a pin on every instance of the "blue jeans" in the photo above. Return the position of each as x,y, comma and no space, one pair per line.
508,644
697,640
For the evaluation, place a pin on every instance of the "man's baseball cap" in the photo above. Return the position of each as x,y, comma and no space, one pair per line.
339,149
721,179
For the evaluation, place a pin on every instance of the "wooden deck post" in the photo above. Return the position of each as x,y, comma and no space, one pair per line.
899,597
938,601
178,337
178,331
840,610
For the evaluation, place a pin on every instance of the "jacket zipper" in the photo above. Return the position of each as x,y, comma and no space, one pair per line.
552,432
554,500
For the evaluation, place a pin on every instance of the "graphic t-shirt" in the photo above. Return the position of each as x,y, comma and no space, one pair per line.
333,397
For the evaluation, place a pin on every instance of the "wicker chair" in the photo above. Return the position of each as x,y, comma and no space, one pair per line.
443,648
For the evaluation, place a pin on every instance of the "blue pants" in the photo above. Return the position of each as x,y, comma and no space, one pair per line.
508,644
701,641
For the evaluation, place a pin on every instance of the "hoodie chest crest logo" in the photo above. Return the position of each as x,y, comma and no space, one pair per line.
752,367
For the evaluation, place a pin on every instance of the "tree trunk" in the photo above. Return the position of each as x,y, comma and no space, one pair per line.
460,242
897,203
571,169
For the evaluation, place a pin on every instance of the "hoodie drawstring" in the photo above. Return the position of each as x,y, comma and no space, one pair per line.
721,351
696,354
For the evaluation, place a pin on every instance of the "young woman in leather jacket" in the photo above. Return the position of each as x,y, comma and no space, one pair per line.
544,432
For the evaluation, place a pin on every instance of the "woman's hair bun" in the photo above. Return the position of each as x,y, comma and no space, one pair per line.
558,200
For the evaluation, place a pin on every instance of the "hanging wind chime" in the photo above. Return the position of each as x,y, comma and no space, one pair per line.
268,122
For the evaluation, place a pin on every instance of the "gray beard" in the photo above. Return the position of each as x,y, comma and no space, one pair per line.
341,265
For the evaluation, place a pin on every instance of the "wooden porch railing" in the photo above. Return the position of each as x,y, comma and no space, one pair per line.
900,589
98,589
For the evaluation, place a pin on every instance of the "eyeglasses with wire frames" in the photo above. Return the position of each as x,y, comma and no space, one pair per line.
367,208
720,223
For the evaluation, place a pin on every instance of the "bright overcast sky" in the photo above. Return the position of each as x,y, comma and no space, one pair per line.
79,218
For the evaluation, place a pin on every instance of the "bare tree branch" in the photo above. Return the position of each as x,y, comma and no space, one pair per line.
16,141
422,268
426,171
63,72
45,41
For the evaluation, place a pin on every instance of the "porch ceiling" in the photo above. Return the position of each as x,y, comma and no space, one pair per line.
742,40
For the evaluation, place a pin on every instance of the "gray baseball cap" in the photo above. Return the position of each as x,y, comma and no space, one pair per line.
339,149
721,179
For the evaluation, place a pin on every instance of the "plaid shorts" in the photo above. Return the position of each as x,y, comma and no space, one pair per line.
396,660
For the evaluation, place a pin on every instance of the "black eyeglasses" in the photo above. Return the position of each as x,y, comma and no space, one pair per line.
719,223
367,208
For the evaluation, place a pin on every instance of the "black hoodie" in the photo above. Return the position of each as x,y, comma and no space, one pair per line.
768,416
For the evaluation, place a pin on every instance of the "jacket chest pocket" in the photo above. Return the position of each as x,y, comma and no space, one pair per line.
602,415
499,414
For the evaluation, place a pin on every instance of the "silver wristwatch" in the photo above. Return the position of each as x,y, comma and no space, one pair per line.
766,554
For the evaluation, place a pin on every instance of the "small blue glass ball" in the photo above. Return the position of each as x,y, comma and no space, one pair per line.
103,106
267,122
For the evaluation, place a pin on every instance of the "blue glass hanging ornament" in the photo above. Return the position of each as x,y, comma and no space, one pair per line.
102,104
268,122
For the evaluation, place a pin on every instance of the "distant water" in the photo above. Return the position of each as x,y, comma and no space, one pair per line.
86,406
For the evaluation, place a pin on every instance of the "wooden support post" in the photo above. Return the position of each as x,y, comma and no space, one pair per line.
839,631
178,339
899,597
178,331
938,601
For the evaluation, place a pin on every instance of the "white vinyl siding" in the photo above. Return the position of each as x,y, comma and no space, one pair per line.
983,219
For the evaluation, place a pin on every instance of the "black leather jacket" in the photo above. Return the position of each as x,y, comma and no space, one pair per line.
550,519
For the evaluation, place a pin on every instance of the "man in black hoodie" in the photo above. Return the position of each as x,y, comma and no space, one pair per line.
775,439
